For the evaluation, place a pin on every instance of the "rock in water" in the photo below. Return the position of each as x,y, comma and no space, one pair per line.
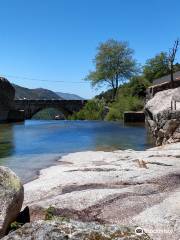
11,198
7,93
63,230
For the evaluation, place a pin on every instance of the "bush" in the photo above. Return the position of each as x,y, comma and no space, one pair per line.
93,110
130,98
138,86
49,213
122,104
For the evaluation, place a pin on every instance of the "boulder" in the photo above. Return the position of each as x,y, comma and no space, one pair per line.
11,198
63,230
7,93
163,122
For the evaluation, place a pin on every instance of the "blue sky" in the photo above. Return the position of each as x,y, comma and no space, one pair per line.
56,40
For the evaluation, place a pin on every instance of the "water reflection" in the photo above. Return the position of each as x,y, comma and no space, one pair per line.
117,135
39,137
6,140
34,145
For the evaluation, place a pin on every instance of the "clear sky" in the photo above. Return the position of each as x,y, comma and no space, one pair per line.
56,40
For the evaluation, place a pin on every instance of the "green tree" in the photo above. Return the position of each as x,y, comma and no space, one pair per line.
138,86
114,64
156,67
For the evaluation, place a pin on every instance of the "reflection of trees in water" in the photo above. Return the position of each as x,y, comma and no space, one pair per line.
122,136
49,114
6,140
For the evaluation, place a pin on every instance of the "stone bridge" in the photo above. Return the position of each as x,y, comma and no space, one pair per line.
31,107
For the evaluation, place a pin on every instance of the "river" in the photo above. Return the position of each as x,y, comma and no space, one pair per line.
30,146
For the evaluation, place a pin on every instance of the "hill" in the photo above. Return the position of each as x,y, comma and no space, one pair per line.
69,96
41,93
38,93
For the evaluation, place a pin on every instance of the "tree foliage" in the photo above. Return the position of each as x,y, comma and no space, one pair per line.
93,110
114,64
138,86
156,67
124,103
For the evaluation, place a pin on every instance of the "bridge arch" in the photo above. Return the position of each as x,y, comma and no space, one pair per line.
31,107
62,111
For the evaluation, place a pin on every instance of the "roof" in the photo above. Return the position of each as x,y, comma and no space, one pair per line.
166,78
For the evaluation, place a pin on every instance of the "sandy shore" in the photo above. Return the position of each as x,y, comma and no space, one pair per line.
140,188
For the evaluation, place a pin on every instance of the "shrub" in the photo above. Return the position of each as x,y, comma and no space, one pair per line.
49,213
122,104
93,110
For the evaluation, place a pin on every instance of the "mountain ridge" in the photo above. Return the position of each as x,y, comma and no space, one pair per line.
69,96
42,94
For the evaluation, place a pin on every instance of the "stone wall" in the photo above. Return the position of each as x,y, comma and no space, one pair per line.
134,117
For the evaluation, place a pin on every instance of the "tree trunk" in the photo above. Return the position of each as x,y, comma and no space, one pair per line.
114,93
116,86
114,90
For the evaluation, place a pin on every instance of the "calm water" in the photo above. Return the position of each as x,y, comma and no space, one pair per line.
33,145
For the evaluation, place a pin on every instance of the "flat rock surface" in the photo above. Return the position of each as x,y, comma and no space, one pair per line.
128,187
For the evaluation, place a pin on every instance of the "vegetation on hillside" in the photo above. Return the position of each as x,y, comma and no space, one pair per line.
130,98
93,110
38,93
116,68
123,103
156,67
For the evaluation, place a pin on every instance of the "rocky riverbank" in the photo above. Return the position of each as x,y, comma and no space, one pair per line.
7,95
128,187
164,122
60,229
118,190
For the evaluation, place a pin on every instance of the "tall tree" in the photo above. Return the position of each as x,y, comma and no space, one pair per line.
114,64
171,58
156,67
